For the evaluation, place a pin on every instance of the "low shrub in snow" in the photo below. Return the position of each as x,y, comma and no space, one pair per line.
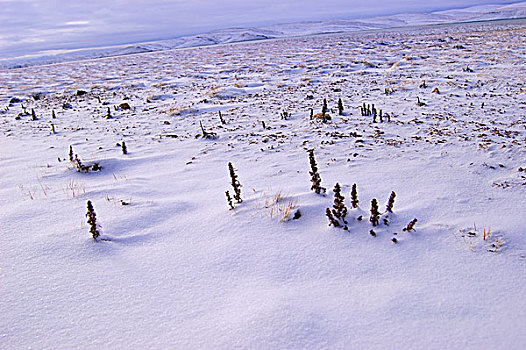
236,185
92,221
315,176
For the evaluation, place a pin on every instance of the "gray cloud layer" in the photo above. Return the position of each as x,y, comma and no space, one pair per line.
30,26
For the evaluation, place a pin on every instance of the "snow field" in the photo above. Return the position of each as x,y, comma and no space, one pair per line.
180,270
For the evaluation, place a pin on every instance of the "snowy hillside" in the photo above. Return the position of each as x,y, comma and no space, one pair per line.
436,115
470,14
231,35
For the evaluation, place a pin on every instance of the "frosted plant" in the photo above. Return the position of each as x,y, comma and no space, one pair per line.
410,226
235,183
339,212
390,202
332,220
324,107
315,176
339,209
375,215
92,221
354,197
229,200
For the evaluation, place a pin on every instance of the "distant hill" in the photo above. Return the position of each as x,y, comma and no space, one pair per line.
232,35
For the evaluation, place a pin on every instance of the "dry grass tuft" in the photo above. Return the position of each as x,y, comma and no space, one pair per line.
75,188
280,207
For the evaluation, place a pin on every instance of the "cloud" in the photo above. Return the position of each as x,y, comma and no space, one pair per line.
29,26
77,23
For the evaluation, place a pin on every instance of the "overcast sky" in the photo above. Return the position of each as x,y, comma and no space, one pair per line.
30,26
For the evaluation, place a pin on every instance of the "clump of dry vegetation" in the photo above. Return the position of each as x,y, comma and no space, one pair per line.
375,215
207,134
229,200
92,221
390,202
283,208
410,226
315,176
354,197
337,215
236,185
79,166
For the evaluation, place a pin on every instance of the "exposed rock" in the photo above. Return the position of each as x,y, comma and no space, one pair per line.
124,106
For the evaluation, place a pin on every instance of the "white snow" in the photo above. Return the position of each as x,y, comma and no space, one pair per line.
178,269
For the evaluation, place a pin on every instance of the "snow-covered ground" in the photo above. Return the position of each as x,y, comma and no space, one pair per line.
178,270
